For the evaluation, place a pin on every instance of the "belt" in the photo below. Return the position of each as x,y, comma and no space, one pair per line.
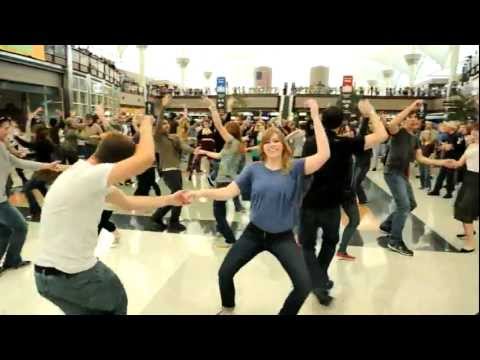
170,169
51,271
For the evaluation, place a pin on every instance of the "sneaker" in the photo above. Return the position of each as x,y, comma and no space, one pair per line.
400,248
226,311
345,256
448,196
385,229
374,169
465,251
241,209
433,193
176,227
463,235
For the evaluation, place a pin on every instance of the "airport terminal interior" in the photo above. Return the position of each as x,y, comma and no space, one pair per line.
405,148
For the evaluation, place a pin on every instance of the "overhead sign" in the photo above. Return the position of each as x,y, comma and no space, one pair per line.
34,51
346,96
221,92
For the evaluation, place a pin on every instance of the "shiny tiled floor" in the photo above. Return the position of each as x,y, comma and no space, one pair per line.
167,273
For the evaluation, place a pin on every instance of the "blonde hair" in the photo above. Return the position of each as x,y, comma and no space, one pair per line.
427,136
286,153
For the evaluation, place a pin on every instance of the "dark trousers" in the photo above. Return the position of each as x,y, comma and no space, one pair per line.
220,214
22,176
31,185
97,291
351,209
361,169
13,233
146,181
173,180
283,246
105,222
310,221
449,174
69,156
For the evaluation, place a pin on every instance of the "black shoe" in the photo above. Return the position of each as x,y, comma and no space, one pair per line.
421,188
463,235
374,169
433,193
18,266
159,222
385,229
465,251
211,182
401,248
176,227
363,202
323,297
448,196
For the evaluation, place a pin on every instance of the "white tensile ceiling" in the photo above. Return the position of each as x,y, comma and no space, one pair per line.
289,63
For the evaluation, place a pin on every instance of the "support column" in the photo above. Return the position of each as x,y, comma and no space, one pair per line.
412,61
67,82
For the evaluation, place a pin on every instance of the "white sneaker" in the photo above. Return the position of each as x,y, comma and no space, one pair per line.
116,239
226,311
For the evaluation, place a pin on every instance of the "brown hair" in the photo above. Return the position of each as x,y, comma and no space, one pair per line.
287,151
234,129
113,148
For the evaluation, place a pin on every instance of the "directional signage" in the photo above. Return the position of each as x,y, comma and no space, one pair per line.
221,93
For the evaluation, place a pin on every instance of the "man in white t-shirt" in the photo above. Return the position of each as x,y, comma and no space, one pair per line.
67,272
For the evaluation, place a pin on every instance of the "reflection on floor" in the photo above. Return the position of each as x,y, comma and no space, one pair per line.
167,273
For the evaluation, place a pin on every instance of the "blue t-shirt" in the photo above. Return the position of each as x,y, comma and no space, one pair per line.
275,196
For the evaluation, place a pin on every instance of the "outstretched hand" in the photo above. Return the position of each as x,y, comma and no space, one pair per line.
180,198
210,103
450,163
166,100
365,108
198,151
53,166
312,105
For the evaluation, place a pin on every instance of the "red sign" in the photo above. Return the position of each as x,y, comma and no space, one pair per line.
348,80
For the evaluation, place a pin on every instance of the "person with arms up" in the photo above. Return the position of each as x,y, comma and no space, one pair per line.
276,187
67,273
404,148
322,203
13,227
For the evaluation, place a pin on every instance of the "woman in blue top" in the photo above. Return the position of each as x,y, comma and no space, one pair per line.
275,185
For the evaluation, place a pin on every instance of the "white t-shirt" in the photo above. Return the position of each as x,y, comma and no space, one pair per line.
472,158
70,216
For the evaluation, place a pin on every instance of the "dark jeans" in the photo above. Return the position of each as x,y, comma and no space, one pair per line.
22,176
97,291
220,214
252,242
237,203
445,173
404,199
215,165
351,209
310,221
31,185
173,179
362,166
425,180
105,222
146,181
69,156
13,233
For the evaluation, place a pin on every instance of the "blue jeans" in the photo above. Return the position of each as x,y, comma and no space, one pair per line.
252,242
31,185
425,180
96,291
13,233
351,209
404,203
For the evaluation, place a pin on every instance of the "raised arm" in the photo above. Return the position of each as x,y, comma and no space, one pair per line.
394,126
142,159
216,120
316,161
161,108
379,134
126,202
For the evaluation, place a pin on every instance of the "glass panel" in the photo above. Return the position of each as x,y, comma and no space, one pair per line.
53,94
75,82
53,107
76,97
83,97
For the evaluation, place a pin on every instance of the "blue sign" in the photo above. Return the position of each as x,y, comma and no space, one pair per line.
221,81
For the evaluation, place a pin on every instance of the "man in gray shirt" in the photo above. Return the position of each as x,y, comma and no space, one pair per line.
13,227
404,148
